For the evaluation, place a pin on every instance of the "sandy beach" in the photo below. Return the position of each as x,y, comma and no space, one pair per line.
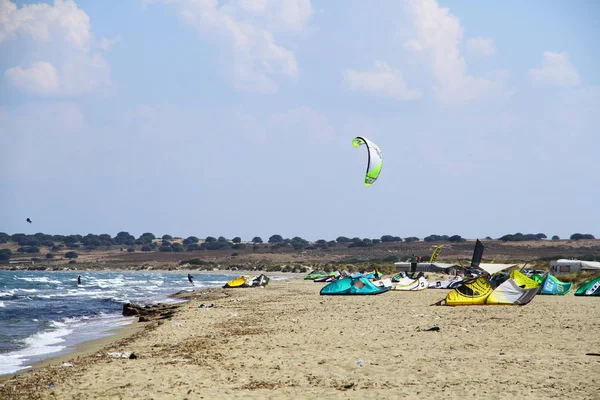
285,341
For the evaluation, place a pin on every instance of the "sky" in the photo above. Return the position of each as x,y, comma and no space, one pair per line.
236,118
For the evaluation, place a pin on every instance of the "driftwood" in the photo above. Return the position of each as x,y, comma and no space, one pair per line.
149,313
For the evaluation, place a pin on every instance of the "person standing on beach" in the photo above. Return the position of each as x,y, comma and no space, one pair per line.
79,280
191,279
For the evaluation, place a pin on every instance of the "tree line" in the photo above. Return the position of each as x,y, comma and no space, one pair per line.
146,242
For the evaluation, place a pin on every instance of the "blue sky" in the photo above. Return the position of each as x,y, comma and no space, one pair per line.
236,117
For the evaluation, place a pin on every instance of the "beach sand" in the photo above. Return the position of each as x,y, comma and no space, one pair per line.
285,341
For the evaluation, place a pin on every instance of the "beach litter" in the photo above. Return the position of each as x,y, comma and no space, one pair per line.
431,329
360,363
120,355
67,364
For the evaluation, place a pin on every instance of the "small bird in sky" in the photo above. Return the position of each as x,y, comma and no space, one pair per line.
28,220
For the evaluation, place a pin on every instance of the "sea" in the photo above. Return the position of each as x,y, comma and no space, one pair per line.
44,314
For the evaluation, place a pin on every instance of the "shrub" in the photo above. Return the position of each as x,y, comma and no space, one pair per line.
28,249
580,236
5,254
190,240
177,247
71,254
196,261
275,239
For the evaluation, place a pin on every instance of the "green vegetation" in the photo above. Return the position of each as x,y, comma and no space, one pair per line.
5,254
519,237
147,242
196,261
276,239
71,254
390,238
28,249
580,236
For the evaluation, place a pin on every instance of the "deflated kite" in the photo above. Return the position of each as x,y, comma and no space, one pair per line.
374,161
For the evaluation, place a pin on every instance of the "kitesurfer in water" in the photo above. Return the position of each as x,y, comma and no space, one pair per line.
79,280
191,279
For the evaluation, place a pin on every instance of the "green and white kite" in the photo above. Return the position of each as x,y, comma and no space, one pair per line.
374,161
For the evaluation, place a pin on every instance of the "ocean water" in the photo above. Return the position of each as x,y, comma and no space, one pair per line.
44,314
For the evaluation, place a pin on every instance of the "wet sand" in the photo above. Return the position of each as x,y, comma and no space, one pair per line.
285,341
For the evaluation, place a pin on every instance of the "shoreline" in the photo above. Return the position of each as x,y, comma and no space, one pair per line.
124,332
84,349
285,341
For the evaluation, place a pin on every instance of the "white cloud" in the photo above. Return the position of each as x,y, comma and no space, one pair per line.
439,35
107,44
56,45
413,45
41,78
556,70
482,47
288,14
383,80
241,26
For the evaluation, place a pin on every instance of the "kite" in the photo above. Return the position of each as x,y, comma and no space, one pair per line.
374,160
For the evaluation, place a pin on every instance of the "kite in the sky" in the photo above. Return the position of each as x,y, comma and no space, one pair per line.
28,220
374,161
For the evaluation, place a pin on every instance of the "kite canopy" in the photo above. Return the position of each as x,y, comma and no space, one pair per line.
350,286
492,268
436,253
592,288
374,161
516,290
248,281
551,285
